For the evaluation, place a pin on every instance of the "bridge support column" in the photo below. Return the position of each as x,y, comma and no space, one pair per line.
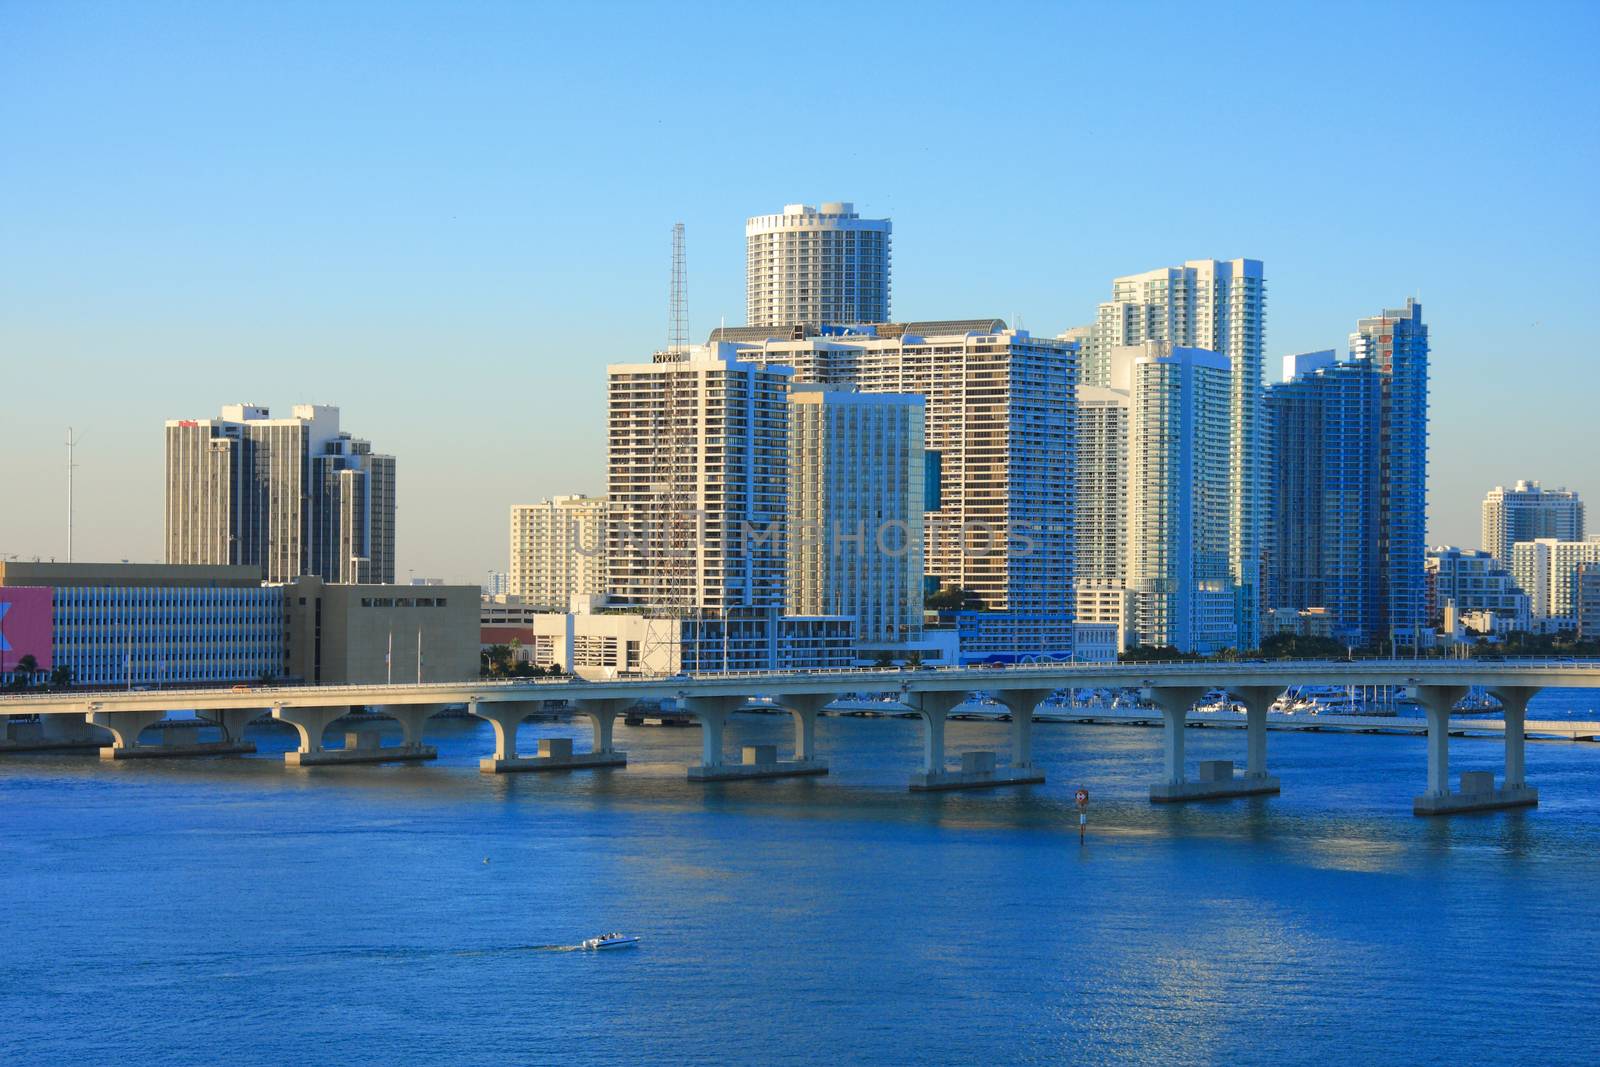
1257,700
63,732
232,722
602,715
1022,703
804,707
1477,787
978,770
760,761
1217,779
1514,699
125,727
310,724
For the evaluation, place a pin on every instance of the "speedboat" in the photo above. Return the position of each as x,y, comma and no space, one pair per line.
610,941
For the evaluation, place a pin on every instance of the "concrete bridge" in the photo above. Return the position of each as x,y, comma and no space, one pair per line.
1174,689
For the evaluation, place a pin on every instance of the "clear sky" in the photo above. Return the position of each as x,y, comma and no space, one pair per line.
449,218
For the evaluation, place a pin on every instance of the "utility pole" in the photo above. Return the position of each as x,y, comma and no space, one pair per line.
72,442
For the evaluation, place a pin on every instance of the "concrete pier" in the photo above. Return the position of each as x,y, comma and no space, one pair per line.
312,723
1478,793
1216,781
978,771
52,733
171,751
361,748
555,754
760,761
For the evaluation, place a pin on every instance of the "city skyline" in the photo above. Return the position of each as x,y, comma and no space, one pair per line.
418,298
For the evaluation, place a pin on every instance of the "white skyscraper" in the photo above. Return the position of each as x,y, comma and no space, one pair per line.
816,265
697,513
1101,507
558,551
1220,306
698,460
999,426
1178,534
1528,512
855,510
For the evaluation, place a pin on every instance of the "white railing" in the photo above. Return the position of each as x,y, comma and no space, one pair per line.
985,677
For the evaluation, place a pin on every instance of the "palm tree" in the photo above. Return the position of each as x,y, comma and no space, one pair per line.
23,670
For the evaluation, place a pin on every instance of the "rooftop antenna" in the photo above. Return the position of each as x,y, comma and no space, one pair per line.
678,324
72,443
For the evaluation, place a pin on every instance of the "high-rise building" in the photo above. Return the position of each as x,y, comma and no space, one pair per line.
558,551
697,517
855,510
1178,527
1324,515
290,496
1000,421
1547,570
816,265
1348,448
1218,306
698,458
1396,344
1529,512
1100,504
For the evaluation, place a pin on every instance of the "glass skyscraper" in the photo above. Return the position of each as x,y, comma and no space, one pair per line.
1349,452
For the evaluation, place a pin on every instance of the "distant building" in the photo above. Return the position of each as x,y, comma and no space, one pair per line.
497,583
1217,306
132,624
816,265
1547,570
1100,504
1002,528
1474,582
697,526
558,550
1347,490
288,497
1178,570
155,625
855,500
1306,622
1529,512
372,634
1588,601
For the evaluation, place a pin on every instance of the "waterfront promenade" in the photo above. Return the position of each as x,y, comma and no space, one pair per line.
932,694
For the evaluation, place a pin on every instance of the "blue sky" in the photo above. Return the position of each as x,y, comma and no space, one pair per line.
449,218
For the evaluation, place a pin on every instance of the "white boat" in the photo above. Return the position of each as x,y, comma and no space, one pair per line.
610,941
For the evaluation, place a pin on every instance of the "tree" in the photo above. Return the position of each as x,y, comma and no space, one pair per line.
1155,654
23,670
954,598
1298,646
61,677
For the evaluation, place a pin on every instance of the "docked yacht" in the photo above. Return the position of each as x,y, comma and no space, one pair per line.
610,941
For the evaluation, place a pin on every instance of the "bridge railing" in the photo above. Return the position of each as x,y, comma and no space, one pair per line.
982,675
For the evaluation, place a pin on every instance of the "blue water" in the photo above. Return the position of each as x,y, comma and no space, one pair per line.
234,910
